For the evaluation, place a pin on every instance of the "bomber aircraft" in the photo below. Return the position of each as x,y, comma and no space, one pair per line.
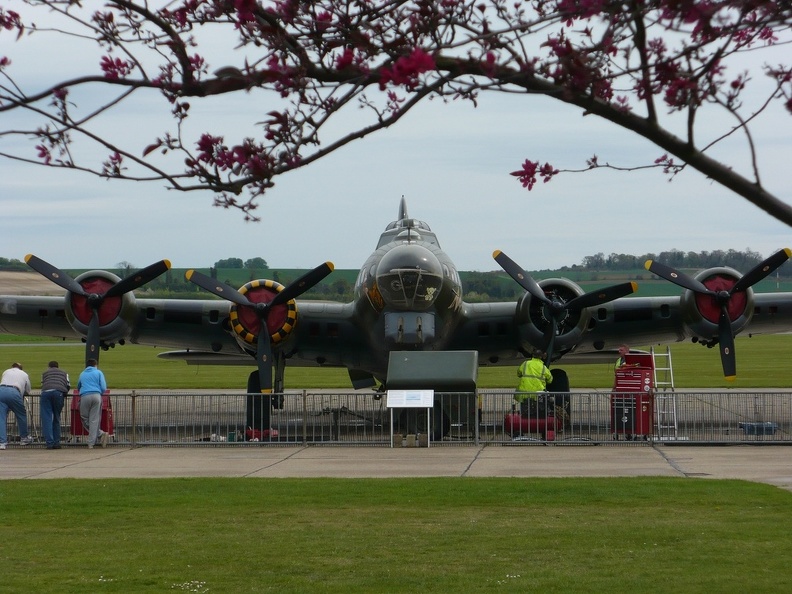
407,297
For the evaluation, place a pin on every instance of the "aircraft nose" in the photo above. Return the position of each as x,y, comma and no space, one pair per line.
409,277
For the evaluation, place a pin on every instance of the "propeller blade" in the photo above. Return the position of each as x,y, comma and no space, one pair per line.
602,296
57,276
92,339
726,345
264,358
519,275
303,284
761,270
216,288
549,339
139,278
676,277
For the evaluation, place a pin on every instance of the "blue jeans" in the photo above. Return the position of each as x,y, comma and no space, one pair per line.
11,399
51,406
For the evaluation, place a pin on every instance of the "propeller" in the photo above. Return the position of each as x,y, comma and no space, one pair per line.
722,299
555,308
264,359
95,300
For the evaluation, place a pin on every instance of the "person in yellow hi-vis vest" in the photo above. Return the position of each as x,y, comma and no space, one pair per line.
624,350
531,390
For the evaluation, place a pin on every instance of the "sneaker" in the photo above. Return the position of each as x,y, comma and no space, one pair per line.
26,440
2,446
103,439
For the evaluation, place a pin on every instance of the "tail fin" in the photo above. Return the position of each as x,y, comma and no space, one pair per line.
402,210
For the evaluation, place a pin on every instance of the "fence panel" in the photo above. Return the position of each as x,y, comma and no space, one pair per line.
486,417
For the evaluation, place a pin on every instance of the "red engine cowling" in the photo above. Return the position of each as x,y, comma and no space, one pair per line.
533,317
116,314
245,322
701,312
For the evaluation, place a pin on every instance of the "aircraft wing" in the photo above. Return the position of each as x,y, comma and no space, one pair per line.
502,332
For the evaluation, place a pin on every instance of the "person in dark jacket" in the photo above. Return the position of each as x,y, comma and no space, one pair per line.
54,387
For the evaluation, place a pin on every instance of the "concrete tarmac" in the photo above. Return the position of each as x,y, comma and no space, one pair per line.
765,464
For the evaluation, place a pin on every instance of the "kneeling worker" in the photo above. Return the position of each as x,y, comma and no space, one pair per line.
534,377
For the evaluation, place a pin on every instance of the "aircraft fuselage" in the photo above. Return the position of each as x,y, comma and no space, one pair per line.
408,295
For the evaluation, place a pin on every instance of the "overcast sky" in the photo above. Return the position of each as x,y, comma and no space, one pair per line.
450,162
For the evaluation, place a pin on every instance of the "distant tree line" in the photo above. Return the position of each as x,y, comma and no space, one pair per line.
739,260
13,264
237,263
478,286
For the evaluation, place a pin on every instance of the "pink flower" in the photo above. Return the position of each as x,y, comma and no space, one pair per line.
527,175
115,68
406,69
44,154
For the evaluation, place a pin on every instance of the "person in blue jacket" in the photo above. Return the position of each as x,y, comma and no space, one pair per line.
91,386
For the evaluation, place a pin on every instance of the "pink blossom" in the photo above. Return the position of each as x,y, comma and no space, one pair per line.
406,69
115,68
44,154
11,20
346,59
208,146
527,175
113,166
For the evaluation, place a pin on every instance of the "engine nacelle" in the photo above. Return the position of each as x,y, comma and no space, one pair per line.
116,314
246,323
700,313
532,316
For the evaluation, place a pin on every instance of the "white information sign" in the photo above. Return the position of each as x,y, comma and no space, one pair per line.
410,398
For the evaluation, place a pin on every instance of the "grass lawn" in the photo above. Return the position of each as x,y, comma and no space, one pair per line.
761,363
394,535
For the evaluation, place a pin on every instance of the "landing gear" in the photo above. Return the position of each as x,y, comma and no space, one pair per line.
559,391
258,406
413,421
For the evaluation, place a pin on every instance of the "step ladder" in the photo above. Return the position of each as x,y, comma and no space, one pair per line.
665,398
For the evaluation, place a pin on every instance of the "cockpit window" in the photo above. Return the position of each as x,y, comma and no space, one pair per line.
408,235
409,277
404,223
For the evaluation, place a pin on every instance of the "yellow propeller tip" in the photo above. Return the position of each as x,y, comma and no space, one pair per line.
167,264
730,378
330,265
496,253
28,257
648,264
634,286
188,274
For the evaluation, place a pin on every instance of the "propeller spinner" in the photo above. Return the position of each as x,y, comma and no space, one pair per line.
264,359
95,300
722,299
557,309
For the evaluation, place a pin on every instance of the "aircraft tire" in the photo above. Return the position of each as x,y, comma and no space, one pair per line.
560,385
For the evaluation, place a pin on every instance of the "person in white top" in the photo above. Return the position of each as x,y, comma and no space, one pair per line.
14,386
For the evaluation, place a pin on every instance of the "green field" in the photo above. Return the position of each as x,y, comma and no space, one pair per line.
394,535
761,363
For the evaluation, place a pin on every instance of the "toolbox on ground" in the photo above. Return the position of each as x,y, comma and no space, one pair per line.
76,424
515,424
632,402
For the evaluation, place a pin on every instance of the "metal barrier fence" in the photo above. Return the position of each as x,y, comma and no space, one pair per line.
486,417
